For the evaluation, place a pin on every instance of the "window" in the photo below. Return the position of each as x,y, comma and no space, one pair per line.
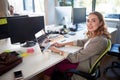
110,8
84,3
39,6
17,8
77,3
65,2
28,6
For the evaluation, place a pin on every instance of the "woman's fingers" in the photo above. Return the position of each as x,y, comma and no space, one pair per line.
61,53
47,40
58,45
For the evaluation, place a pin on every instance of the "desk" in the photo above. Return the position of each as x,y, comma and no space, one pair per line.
81,34
37,62
32,64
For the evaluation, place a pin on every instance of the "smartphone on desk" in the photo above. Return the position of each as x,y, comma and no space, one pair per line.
18,75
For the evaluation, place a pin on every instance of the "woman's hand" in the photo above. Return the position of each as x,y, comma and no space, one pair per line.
61,52
56,50
58,45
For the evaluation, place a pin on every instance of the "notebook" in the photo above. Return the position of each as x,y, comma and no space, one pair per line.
41,38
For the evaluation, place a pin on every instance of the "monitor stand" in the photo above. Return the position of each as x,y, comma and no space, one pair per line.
28,44
76,27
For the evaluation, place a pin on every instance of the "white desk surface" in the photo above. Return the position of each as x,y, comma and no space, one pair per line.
32,64
81,35
36,62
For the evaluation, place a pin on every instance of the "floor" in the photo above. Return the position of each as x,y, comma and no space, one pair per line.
106,61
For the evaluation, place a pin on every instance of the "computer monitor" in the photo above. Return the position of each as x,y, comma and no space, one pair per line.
79,15
22,30
18,16
4,27
63,13
3,31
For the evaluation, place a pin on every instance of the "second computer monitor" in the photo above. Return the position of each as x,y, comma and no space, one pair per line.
63,15
79,15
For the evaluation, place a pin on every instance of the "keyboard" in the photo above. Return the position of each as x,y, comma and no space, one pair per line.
42,38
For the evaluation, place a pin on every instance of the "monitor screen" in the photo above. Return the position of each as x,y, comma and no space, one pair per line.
79,15
4,27
63,13
23,29
3,31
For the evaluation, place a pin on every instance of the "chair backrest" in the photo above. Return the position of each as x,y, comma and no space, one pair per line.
97,62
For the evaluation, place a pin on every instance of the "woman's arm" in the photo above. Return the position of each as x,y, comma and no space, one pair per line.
73,43
94,47
56,50
63,44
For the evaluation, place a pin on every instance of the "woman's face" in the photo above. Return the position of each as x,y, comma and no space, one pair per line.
93,23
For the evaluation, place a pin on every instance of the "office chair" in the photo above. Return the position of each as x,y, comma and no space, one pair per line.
94,72
115,66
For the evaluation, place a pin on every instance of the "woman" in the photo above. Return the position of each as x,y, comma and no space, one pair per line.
11,10
92,47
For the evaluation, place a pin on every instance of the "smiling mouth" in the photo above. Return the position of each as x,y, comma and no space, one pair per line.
90,27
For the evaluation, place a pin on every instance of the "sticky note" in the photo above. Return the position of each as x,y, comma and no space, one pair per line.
30,50
3,21
7,51
24,54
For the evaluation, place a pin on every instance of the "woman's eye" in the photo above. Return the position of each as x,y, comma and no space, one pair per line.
93,20
88,20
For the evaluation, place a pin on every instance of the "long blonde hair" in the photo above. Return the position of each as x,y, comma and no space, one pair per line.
102,30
